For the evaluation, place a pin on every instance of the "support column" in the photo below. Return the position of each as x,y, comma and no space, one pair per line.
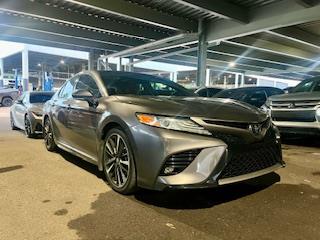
208,77
242,80
91,60
236,85
25,69
119,64
1,72
130,66
202,54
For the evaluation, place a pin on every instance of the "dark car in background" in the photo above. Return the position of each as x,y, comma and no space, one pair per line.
8,96
145,131
26,112
208,91
297,112
256,96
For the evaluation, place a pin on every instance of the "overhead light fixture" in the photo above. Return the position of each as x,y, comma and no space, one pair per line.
39,64
62,61
232,64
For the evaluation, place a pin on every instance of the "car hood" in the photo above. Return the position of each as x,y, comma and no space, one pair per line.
210,108
36,107
301,96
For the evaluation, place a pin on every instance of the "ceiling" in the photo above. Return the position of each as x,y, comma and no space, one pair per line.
272,37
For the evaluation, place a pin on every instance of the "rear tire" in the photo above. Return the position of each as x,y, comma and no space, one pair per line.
118,162
7,102
48,136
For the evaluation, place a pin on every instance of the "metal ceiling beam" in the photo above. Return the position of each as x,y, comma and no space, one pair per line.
26,23
219,8
269,17
34,37
257,55
160,45
139,13
274,48
53,13
297,35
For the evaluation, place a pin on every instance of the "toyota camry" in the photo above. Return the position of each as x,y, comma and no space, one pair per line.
149,132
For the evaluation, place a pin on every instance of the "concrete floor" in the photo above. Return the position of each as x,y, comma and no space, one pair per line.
47,195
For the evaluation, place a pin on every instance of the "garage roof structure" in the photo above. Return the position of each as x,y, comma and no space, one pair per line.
278,38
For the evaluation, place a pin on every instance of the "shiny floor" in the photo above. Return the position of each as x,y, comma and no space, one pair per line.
56,196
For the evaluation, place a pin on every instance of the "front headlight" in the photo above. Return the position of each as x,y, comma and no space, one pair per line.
318,113
172,123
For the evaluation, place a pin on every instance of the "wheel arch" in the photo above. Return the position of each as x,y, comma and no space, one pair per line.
105,126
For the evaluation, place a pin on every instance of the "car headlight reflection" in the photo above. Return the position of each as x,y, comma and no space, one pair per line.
172,123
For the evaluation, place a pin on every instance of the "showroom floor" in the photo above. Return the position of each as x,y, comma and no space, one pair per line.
56,196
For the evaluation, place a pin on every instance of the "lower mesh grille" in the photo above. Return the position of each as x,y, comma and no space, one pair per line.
251,161
178,162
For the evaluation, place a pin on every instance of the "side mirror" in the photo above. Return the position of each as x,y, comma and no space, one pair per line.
85,95
18,101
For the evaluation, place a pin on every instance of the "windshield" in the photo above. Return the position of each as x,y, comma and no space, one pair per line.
142,85
233,94
40,98
305,86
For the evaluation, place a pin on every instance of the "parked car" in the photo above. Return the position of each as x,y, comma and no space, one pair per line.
256,96
8,96
298,111
149,132
26,112
208,91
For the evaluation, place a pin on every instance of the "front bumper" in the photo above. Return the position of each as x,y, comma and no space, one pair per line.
36,123
154,146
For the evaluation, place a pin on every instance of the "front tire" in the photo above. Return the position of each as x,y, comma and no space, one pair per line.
48,136
28,127
118,162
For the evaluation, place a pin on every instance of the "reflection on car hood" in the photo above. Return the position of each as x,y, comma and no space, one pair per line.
301,96
36,107
211,108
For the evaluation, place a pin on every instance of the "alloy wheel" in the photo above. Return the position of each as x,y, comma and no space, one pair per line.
27,126
117,160
47,134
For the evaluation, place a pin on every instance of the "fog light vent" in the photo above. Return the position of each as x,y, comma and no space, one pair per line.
176,163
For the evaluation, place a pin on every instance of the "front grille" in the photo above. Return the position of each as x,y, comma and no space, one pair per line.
178,162
249,161
294,116
294,104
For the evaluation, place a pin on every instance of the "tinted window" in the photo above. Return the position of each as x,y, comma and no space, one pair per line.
40,98
274,91
317,87
142,85
256,98
67,89
202,92
213,91
304,86
86,82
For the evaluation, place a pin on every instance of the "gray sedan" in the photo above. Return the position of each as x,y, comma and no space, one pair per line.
26,112
145,131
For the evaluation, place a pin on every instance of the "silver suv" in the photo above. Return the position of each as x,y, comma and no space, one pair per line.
297,112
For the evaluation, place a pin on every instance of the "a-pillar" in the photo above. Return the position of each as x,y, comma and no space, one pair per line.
25,69
202,54
1,72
